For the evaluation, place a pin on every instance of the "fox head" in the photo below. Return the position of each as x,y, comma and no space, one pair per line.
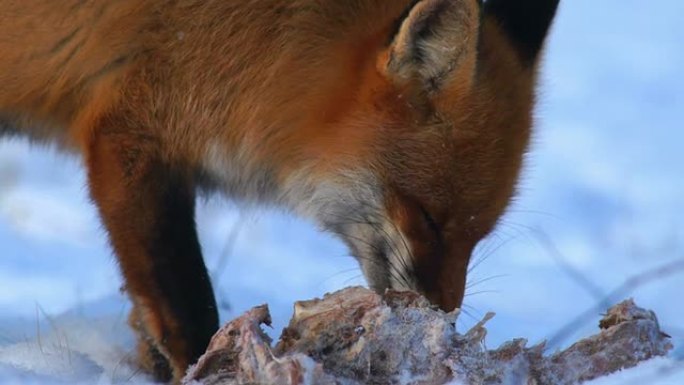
444,123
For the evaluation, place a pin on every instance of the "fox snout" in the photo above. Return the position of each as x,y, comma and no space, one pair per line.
400,246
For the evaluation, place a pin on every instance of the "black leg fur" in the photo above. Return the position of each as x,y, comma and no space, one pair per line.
148,209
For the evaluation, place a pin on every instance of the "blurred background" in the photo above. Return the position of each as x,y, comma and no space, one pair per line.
600,203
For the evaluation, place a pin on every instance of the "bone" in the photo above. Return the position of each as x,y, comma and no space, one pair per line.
355,336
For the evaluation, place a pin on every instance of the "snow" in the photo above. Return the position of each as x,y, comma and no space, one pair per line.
83,346
603,185
659,371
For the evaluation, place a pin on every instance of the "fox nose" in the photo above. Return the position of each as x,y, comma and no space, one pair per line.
447,283
447,298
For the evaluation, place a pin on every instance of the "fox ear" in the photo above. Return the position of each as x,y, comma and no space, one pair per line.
435,44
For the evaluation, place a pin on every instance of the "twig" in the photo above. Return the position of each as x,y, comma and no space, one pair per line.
616,294
581,279
228,248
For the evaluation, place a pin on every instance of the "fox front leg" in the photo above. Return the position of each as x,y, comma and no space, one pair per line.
147,207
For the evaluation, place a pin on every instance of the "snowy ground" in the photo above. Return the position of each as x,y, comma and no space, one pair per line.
601,199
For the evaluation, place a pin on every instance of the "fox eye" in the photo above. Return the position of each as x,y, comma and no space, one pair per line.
430,221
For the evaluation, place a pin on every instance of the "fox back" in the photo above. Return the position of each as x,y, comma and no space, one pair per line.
400,126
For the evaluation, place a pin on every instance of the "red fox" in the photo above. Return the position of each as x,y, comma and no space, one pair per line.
399,125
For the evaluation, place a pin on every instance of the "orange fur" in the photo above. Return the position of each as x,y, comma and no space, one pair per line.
412,115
